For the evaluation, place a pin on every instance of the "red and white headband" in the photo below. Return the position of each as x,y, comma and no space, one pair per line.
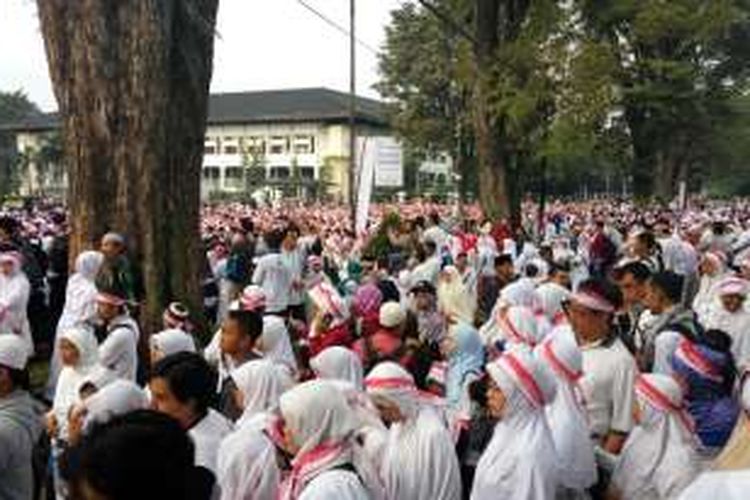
688,354
591,301
110,299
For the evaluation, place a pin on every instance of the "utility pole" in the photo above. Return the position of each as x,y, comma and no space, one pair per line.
352,112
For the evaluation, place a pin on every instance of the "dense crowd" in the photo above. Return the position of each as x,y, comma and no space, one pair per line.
590,350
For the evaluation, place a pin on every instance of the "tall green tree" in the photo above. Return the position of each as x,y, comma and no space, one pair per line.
677,66
424,69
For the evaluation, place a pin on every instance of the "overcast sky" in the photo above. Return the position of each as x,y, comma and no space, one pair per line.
261,44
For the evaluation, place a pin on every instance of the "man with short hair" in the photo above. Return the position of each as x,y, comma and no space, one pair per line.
118,349
632,280
664,323
609,369
182,386
20,426
239,333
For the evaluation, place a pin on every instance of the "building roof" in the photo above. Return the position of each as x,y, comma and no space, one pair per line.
267,106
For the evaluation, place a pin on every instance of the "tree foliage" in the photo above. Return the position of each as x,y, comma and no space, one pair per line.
14,106
640,91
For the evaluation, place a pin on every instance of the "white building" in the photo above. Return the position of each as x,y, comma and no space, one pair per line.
284,134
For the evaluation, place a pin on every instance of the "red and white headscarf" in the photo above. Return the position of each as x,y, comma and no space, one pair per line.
660,453
521,451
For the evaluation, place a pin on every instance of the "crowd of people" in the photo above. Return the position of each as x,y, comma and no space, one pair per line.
596,350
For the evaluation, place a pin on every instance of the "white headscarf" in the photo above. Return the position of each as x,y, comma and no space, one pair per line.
246,467
172,341
420,461
80,304
276,345
551,297
338,363
14,299
261,383
520,460
454,299
566,414
659,457
117,398
518,325
324,428
71,377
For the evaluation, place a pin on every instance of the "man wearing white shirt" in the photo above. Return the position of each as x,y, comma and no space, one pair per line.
609,368
182,387
274,276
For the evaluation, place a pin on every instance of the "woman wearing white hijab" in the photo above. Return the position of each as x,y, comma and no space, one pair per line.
566,416
276,345
260,384
319,429
14,299
338,363
247,468
659,458
454,299
520,462
79,354
419,462
80,304
168,342
712,271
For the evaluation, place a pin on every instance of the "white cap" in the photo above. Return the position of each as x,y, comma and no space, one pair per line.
391,315
13,352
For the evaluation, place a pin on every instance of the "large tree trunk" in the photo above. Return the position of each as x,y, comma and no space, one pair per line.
494,195
131,79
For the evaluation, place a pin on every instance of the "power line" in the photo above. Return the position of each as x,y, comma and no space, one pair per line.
336,25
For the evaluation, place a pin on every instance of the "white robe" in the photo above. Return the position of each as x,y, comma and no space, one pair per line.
14,299
658,461
119,351
338,484
80,305
520,461
207,436
737,325
723,485
246,467
419,462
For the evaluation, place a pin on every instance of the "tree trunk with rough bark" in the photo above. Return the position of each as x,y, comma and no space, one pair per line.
493,186
131,79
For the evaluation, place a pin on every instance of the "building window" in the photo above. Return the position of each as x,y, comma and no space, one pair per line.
233,177
211,173
279,145
255,145
209,149
278,173
304,144
307,173
230,149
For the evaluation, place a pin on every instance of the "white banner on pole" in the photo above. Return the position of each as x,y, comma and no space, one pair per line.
366,168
